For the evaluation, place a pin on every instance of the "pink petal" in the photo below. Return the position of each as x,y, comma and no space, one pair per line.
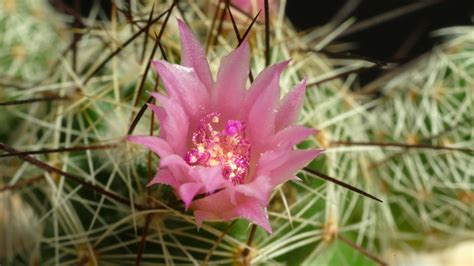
255,213
160,114
182,84
210,177
290,136
259,188
188,191
270,160
203,215
261,119
157,145
218,206
282,165
176,123
194,56
290,106
231,79
261,83
164,176
178,167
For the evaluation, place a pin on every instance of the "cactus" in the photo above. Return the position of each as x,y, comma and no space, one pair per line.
79,196
428,107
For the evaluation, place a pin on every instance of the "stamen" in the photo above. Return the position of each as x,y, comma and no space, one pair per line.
228,148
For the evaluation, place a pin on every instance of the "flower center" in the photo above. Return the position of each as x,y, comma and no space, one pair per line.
227,148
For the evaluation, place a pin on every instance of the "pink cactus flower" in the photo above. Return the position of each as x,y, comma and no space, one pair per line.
220,140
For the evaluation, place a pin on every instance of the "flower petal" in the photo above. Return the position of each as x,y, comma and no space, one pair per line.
164,176
259,188
178,167
187,192
261,83
182,84
255,213
157,145
176,123
218,206
290,106
261,119
231,79
282,165
210,177
292,135
194,56
160,114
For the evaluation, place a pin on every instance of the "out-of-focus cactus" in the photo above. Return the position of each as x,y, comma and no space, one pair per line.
427,182
27,30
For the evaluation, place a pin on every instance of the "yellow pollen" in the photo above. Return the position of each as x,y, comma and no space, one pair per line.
227,148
